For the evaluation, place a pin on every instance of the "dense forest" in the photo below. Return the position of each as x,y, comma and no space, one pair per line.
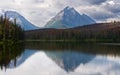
10,31
10,46
101,32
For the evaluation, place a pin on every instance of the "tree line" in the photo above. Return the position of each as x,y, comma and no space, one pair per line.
10,30
101,32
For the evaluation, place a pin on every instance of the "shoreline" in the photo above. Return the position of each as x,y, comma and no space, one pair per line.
118,44
97,42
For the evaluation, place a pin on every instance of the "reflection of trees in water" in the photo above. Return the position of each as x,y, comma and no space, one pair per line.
10,52
82,47
70,55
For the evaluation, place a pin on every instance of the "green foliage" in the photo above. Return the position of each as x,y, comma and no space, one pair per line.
10,30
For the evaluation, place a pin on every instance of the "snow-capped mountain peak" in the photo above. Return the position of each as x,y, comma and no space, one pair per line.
20,20
70,9
64,11
68,18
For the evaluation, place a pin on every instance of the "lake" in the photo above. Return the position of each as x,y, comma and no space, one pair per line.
39,58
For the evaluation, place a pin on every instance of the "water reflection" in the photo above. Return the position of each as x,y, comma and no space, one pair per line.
96,49
9,54
62,59
69,60
70,55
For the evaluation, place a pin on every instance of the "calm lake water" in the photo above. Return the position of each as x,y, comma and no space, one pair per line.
59,59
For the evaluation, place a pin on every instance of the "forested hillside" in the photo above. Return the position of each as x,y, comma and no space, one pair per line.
10,30
101,32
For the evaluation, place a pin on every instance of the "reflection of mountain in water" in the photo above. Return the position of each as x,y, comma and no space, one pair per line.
69,60
70,55
40,64
67,56
25,55
14,55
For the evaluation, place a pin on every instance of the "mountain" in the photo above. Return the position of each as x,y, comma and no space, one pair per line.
69,18
23,22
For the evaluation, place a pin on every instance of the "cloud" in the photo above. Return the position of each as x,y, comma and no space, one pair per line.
95,2
114,8
98,13
41,11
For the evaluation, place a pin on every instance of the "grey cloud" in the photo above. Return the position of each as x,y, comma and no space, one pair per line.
101,15
39,1
117,1
96,2
113,8
104,11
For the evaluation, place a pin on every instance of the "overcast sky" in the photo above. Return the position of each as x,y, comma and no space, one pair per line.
39,12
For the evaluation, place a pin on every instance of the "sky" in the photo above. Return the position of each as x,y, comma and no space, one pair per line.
39,12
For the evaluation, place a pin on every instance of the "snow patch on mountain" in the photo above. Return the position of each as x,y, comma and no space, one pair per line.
20,20
69,18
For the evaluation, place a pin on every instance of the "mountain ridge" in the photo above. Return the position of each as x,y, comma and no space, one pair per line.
20,20
68,18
